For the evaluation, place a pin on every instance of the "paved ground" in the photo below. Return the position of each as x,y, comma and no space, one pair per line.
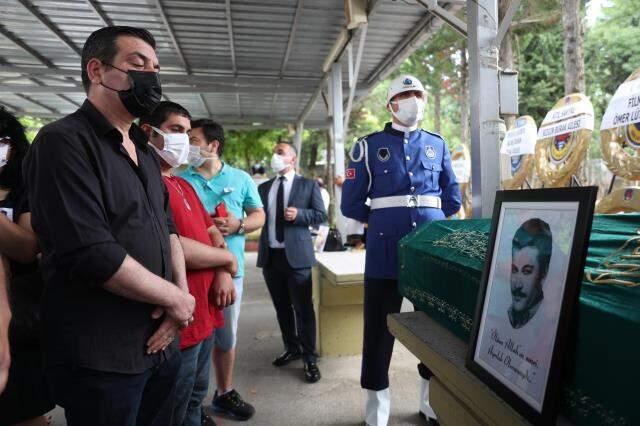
281,396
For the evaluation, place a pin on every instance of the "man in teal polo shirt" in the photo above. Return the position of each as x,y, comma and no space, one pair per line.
215,182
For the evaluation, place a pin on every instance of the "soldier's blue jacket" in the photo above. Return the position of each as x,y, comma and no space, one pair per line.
411,163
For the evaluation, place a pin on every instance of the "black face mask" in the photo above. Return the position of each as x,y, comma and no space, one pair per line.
144,94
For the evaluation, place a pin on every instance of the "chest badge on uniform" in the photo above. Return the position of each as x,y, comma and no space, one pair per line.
431,152
384,154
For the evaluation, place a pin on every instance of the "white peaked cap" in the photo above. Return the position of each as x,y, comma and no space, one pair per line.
404,83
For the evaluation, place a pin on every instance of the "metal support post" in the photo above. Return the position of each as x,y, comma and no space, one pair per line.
350,62
297,140
485,119
451,19
337,138
353,79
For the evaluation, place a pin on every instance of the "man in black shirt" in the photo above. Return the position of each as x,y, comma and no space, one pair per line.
113,267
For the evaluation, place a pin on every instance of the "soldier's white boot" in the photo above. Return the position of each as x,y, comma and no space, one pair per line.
378,407
425,407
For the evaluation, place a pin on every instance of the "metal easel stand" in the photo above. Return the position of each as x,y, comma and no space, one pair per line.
575,181
613,181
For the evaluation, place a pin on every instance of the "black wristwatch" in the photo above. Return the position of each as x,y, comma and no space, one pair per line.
241,228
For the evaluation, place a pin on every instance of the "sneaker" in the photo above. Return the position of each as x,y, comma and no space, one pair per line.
231,404
206,420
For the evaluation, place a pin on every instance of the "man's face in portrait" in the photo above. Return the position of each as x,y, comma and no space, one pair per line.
526,278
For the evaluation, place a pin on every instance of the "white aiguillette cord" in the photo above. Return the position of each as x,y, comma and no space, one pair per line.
364,153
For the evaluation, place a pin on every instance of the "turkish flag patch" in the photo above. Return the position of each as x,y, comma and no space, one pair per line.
350,174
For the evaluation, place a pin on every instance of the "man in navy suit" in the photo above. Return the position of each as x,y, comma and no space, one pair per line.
293,204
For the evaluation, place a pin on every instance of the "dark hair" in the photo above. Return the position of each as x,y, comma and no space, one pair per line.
212,132
102,45
162,112
290,145
11,173
537,234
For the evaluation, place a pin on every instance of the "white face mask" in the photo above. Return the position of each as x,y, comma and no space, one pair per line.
176,147
197,156
4,155
277,163
410,111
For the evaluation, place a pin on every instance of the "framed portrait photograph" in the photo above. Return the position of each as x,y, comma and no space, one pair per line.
528,295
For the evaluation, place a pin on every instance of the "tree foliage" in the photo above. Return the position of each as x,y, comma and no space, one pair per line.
612,51
32,126
244,148
540,71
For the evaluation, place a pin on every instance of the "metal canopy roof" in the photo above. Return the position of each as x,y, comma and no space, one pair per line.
243,62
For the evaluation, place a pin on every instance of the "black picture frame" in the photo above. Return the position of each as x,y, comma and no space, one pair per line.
491,355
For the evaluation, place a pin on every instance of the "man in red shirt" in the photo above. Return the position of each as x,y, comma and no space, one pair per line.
209,269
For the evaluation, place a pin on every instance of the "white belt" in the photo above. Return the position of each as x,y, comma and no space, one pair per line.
411,201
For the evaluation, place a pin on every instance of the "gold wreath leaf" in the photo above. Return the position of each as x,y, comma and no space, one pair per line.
516,181
618,160
612,143
617,201
559,175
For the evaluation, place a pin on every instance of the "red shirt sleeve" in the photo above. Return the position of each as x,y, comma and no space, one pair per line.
195,201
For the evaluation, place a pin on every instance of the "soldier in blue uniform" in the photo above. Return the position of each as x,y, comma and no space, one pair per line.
406,174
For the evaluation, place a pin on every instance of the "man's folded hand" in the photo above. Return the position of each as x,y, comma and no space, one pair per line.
181,310
223,291
163,336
